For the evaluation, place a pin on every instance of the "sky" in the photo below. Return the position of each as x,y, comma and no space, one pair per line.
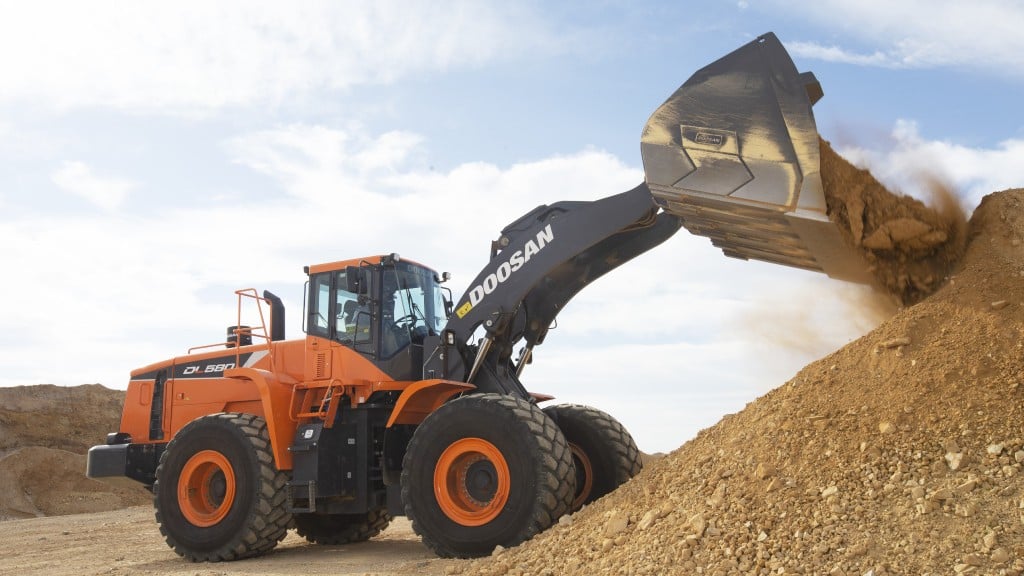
155,157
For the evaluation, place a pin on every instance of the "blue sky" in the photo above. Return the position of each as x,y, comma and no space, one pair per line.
154,157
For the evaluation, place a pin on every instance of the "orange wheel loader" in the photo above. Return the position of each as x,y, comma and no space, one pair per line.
399,400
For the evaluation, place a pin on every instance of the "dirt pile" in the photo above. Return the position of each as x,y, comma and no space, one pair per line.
45,432
909,247
902,453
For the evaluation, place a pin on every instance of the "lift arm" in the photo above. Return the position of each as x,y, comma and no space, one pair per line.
537,265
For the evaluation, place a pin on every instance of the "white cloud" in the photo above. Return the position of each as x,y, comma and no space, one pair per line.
919,33
911,163
105,192
194,56
838,54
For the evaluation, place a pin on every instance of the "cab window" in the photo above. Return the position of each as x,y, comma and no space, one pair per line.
351,318
317,322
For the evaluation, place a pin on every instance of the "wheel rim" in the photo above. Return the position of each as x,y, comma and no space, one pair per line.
472,482
584,476
206,488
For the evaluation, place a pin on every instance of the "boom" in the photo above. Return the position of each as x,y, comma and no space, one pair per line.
537,265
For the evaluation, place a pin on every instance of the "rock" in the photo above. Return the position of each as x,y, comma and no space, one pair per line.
966,487
698,524
665,510
718,498
886,427
830,491
967,509
616,523
764,470
903,229
895,342
647,520
974,560
999,304
994,449
954,460
1000,556
878,240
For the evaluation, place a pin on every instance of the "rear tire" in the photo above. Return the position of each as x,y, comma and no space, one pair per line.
218,495
604,454
485,470
330,529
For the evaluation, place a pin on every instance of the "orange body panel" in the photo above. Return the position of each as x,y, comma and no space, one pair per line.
341,264
423,397
285,382
135,414
191,399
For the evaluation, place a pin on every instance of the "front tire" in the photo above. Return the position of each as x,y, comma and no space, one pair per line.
218,495
485,470
331,529
604,454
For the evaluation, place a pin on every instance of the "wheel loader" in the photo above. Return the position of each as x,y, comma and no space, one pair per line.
400,400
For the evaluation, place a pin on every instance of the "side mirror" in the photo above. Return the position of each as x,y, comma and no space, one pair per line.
449,305
356,280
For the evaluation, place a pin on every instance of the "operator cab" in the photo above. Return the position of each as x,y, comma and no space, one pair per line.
383,308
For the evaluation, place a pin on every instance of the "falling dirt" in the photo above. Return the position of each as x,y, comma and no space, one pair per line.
909,247
901,453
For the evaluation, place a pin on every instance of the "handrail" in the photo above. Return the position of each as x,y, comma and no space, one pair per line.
261,331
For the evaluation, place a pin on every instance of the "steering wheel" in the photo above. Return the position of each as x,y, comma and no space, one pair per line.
405,322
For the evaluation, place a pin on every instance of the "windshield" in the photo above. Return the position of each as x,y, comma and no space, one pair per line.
411,307
413,299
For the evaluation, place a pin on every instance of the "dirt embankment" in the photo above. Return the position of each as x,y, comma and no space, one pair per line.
902,453
45,432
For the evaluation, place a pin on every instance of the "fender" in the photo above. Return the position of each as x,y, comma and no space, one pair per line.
275,394
422,397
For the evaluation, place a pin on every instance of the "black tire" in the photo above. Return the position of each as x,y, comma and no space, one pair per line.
234,506
504,474
330,529
604,454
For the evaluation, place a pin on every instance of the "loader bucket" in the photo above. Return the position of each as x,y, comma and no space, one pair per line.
734,154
